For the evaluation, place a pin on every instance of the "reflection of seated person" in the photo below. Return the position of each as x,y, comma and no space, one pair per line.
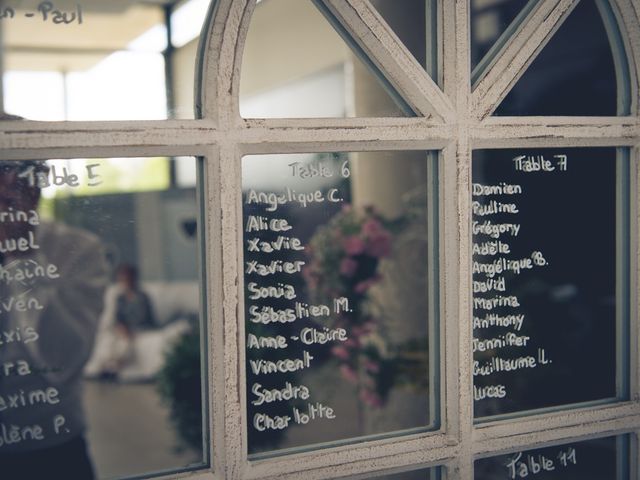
133,313
52,279
174,305
133,308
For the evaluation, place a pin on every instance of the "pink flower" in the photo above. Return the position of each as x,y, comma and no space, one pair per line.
348,267
353,245
368,382
351,342
379,245
363,286
369,326
357,331
371,366
311,278
372,227
362,329
349,373
370,398
340,352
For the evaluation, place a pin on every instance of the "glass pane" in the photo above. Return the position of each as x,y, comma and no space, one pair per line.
490,19
549,277
295,64
187,18
588,460
415,22
581,71
338,302
100,349
93,60
422,474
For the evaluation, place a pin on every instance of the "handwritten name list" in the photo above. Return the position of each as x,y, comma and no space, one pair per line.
530,253
16,277
26,276
496,224
275,260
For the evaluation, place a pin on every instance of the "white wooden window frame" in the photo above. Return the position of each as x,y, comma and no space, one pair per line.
454,120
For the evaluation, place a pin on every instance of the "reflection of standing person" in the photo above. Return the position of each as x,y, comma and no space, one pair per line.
52,279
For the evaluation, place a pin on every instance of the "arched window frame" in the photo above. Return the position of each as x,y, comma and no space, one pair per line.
454,120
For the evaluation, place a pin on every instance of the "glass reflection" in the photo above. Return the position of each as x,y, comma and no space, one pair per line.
581,71
489,20
92,60
415,22
100,349
339,341
295,64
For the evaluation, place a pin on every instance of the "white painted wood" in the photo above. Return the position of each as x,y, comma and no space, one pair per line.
509,132
550,427
346,134
524,442
634,228
456,221
221,60
213,308
234,420
627,14
192,476
193,135
359,458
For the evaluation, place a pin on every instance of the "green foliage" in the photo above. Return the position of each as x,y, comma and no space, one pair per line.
179,384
